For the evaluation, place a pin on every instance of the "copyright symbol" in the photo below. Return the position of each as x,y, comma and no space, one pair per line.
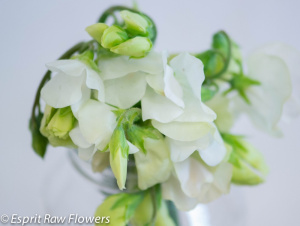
4,218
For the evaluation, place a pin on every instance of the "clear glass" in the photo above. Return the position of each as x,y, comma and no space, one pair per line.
72,188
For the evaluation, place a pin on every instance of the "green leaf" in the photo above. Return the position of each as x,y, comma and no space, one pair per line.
39,142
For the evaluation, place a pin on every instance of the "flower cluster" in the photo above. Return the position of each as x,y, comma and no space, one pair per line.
117,101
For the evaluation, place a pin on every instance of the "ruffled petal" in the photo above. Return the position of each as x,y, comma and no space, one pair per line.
86,153
126,91
156,82
184,131
189,73
221,185
181,150
86,95
203,183
291,58
120,66
94,81
155,106
172,89
78,139
62,90
213,154
157,157
96,122
67,67
267,99
171,190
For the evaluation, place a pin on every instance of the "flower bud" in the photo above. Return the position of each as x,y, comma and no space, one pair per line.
96,31
135,47
135,23
116,215
56,125
113,36
249,166
119,156
61,123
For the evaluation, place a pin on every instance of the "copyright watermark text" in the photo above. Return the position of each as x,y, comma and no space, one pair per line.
49,219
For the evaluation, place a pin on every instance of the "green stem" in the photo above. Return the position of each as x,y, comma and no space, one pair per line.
80,47
110,12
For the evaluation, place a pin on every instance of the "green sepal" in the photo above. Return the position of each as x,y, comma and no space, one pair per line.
137,135
241,83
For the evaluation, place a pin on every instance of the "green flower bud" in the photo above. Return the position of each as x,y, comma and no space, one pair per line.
61,123
144,214
96,31
248,163
135,23
116,215
56,125
113,36
119,156
135,47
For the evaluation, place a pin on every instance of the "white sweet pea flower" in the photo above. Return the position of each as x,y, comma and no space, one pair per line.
96,123
173,102
125,77
273,66
193,182
72,84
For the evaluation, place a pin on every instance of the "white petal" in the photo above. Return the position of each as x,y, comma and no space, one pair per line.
62,90
202,182
220,186
171,190
189,73
96,122
67,67
172,88
184,131
94,81
267,99
78,139
86,153
155,166
155,106
220,104
132,148
192,175
122,65
181,150
191,68
126,91
86,95
291,58
156,82
215,152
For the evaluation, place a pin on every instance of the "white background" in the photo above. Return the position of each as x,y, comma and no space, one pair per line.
35,32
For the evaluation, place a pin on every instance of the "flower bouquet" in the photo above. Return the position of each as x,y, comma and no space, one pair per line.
164,118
